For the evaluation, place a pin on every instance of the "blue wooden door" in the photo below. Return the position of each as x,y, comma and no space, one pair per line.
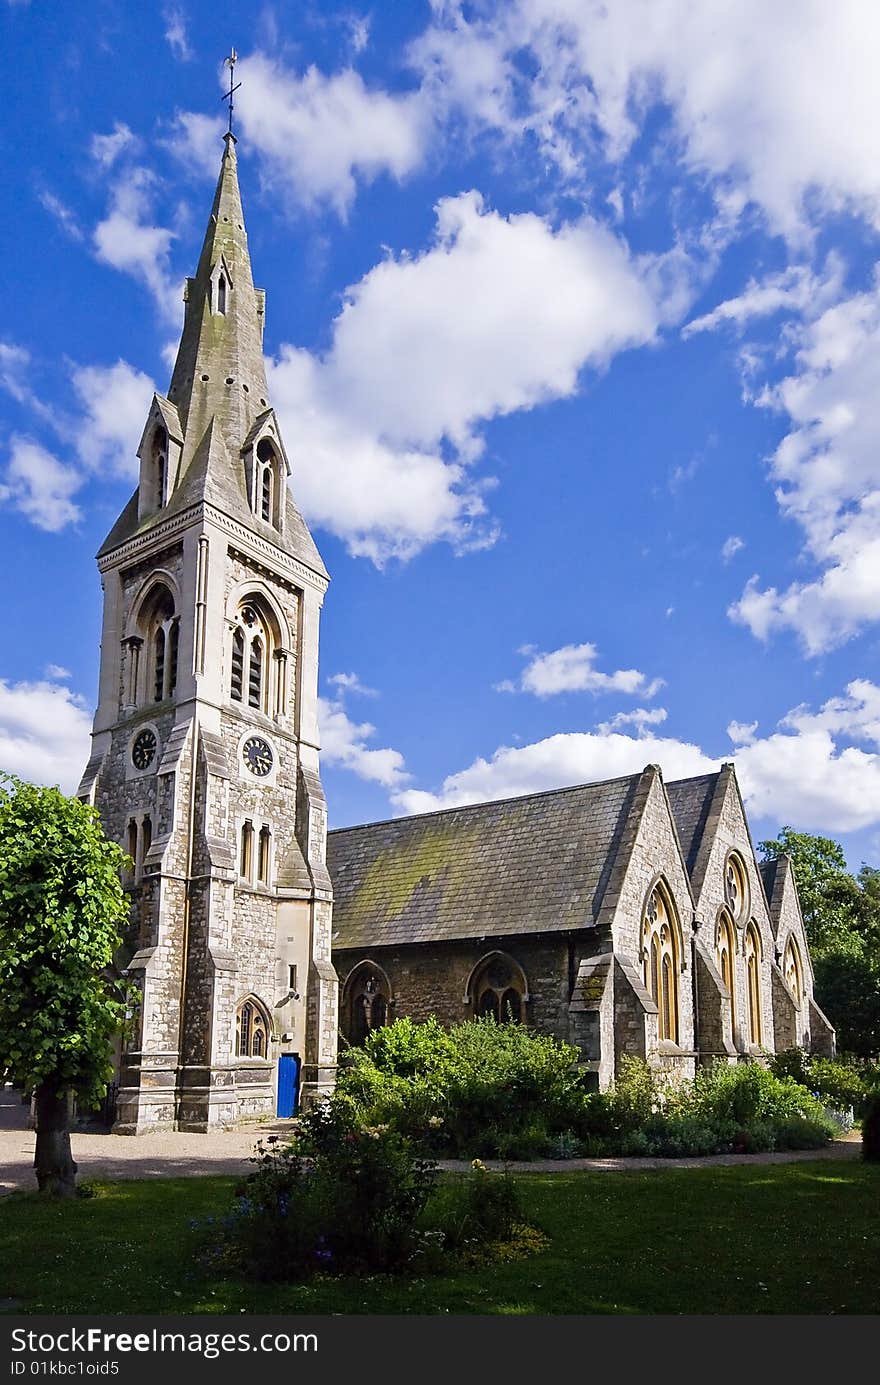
288,1083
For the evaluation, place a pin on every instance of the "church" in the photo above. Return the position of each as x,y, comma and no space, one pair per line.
624,917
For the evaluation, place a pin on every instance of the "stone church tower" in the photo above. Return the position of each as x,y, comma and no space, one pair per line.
204,761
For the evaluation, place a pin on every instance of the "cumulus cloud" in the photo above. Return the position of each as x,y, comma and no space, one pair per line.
572,669
639,717
106,149
40,486
128,240
344,743
318,135
498,315
195,139
115,402
350,683
44,733
827,475
819,769
776,104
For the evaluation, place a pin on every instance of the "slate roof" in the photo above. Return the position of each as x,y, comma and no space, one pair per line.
534,864
690,801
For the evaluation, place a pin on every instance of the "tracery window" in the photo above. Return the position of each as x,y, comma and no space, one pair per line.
792,970
753,982
724,953
735,888
162,639
366,1000
252,644
253,1029
660,961
498,988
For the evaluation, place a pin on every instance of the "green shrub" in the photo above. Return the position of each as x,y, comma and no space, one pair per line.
839,1082
341,1197
871,1129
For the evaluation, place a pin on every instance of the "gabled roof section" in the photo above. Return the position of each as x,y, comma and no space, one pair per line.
535,864
691,801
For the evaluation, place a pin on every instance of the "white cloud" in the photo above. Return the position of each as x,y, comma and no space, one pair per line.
106,149
44,733
796,290
318,135
62,213
350,683
116,400
498,315
572,669
57,673
731,547
195,139
827,470
812,771
40,486
776,103
639,717
567,758
128,241
742,732
175,33
343,742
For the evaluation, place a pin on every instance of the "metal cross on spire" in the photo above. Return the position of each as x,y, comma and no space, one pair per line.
233,85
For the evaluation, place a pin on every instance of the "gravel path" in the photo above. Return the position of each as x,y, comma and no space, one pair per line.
173,1154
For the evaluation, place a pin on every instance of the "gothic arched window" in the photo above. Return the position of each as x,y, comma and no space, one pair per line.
253,1029
793,971
221,294
254,641
661,952
366,1000
724,952
498,987
161,633
267,483
735,886
753,980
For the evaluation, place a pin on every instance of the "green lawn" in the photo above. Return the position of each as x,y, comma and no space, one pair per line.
764,1238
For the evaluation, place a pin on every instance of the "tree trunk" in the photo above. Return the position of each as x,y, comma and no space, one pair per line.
53,1161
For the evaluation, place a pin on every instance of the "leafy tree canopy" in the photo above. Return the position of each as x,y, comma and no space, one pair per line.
61,909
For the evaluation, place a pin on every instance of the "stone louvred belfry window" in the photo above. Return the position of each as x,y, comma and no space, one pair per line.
253,1029
267,483
161,633
254,640
660,961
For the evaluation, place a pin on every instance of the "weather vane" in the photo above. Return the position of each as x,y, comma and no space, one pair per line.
233,85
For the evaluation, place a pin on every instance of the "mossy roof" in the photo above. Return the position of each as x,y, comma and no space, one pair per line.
534,864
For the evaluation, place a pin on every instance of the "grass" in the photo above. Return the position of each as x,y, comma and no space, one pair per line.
770,1238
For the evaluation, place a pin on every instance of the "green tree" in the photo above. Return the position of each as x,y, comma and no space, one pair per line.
61,908
842,919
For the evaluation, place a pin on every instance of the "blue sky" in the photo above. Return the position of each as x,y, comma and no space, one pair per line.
574,329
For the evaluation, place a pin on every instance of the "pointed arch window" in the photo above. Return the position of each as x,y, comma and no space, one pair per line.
246,851
366,1001
161,634
254,642
661,953
724,953
498,987
267,483
253,1029
159,467
753,980
221,294
793,971
263,855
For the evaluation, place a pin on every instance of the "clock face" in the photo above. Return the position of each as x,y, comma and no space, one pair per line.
257,755
143,750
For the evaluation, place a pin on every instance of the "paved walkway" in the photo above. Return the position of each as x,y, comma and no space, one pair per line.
174,1154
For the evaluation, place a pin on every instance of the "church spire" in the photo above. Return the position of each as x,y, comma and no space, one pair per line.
219,371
